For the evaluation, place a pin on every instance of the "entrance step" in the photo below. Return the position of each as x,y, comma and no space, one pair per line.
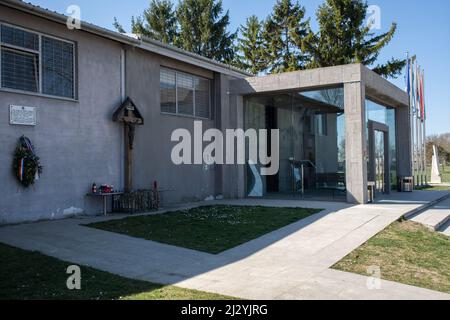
445,229
435,217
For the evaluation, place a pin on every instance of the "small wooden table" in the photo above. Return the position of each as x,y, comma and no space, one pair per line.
104,196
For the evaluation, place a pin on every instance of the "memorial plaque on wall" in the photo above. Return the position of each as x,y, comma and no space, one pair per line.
20,115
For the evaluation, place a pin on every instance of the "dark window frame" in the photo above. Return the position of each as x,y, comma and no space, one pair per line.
194,78
39,54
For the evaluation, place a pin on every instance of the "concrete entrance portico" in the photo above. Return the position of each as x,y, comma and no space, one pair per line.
290,263
359,84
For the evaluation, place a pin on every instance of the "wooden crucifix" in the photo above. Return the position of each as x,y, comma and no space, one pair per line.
129,115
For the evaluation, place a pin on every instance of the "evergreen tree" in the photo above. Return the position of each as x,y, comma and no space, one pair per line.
344,38
283,34
138,27
203,29
118,26
158,22
251,50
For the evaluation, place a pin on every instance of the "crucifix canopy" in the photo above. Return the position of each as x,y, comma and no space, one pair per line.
128,113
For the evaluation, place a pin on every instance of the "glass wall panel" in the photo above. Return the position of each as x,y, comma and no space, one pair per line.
255,117
379,161
385,115
312,143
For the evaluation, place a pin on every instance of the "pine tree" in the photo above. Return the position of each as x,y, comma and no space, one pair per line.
158,22
283,33
345,38
118,26
251,49
203,29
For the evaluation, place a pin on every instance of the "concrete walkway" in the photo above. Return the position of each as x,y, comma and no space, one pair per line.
290,263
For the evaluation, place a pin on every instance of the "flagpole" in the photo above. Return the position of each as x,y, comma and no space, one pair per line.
424,130
409,86
420,147
419,128
422,120
408,90
413,99
413,123
414,71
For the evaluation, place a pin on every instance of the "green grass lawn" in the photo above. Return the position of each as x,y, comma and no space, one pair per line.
29,275
445,173
406,252
211,229
433,188
445,179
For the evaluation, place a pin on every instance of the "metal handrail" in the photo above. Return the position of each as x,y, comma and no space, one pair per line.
302,172
307,161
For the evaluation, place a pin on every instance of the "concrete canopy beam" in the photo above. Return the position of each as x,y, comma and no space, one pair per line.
298,80
382,91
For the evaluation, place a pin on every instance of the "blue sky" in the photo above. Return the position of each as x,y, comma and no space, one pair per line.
423,29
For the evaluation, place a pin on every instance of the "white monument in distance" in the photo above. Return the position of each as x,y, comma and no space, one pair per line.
435,173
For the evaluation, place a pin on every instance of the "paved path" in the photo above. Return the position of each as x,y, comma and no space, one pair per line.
290,263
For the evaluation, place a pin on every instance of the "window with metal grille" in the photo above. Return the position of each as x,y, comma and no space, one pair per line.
168,91
19,38
202,98
36,63
185,94
20,70
57,68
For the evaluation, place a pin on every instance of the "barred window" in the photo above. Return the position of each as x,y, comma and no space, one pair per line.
184,94
20,70
20,38
57,68
168,91
36,63
202,98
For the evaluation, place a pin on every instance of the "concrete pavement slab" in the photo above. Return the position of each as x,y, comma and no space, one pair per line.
435,217
292,262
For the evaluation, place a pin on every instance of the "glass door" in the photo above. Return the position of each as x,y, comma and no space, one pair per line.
380,161
379,164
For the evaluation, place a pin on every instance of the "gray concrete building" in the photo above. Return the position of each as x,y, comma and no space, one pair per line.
340,127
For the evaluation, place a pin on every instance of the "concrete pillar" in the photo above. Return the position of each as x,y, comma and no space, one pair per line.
230,179
356,142
403,142
217,114
237,105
